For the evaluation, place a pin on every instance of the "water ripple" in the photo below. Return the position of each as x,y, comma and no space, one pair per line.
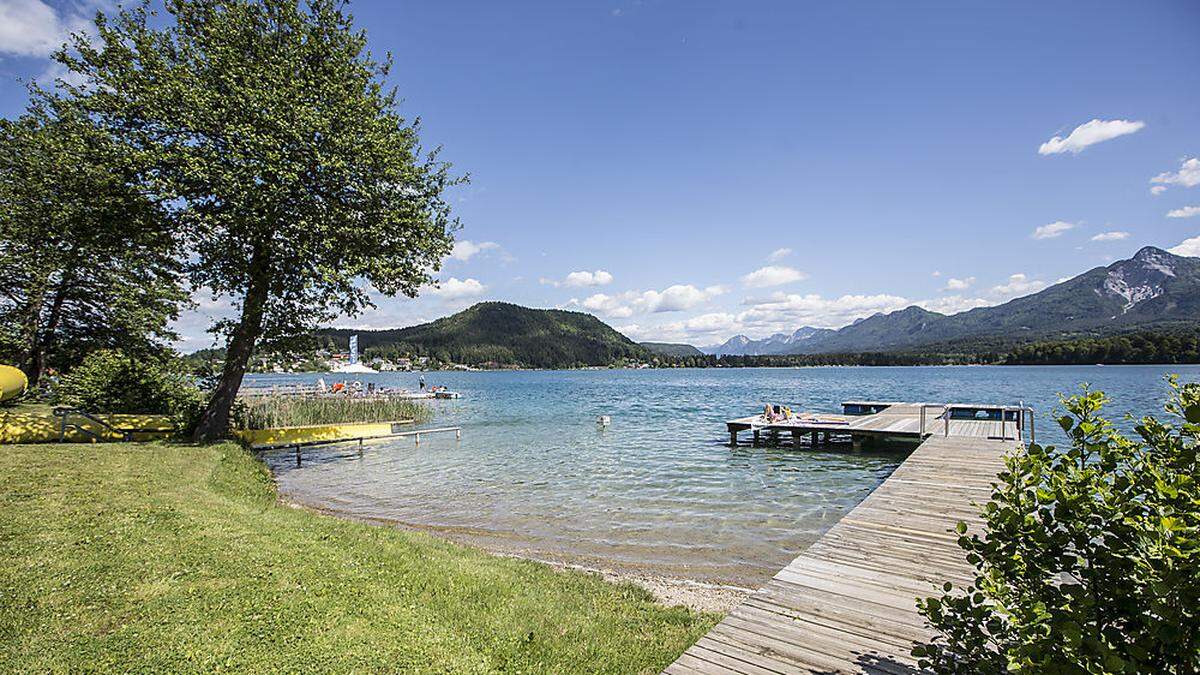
657,490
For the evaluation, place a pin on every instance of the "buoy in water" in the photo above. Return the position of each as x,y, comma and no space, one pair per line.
604,420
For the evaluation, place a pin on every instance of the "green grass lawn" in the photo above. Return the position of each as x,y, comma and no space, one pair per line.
154,557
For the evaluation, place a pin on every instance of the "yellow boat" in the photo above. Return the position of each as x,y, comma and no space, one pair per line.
13,383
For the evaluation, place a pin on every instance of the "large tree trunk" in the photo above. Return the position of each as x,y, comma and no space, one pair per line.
214,423
45,339
33,362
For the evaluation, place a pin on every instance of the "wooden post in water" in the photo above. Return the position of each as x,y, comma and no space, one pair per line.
756,438
733,438
812,440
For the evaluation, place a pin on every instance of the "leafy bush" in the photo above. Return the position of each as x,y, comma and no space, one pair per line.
108,381
1089,560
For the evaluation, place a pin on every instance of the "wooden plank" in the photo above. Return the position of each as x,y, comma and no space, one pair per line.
848,603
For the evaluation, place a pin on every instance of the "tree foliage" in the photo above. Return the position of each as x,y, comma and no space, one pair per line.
1089,559
1164,346
266,129
86,259
108,381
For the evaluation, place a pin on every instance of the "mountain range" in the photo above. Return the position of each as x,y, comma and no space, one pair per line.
1152,289
779,343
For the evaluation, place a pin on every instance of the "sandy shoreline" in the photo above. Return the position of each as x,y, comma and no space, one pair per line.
669,590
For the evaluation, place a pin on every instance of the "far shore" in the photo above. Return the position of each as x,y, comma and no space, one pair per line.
772,367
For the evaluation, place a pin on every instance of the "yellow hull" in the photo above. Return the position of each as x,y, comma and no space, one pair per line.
265,438
44,427
13,383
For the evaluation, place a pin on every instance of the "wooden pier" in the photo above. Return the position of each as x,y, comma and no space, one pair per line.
863,422
847,604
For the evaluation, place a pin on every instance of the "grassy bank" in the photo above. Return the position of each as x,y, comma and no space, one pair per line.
158,557
268,412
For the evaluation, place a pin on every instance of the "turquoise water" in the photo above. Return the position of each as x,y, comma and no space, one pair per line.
657,491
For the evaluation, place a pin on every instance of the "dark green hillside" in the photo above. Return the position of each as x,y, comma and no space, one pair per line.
504,334
671,349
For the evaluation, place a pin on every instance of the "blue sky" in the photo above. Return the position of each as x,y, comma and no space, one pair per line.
706,169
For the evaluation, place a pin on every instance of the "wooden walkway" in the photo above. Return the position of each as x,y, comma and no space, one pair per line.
895,421
847,604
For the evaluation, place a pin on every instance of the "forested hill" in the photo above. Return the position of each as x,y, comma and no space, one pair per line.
672,349
499,333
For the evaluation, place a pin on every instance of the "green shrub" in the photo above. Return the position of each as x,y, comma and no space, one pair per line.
1089,560
108,381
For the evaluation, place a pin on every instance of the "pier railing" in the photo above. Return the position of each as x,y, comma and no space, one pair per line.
1020,415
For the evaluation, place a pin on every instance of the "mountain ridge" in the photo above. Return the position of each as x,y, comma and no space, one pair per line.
1152,288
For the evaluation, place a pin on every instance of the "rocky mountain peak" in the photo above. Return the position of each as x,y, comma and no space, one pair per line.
1140,278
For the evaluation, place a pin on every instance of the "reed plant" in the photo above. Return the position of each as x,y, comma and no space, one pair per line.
269,412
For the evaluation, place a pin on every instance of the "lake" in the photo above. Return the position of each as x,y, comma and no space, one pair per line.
658,491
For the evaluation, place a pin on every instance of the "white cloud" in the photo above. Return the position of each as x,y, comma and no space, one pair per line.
785,312
953,304
1187,176
464,250
773,275
1052,230
1158,189
585,278
1188,247
1088,134
1111,236
1017,285
779,254
953,284
637,332
1185,212
936,274
677,298
456,289
607,305
33,28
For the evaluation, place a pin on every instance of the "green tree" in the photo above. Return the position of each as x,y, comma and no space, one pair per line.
266,126
1089,559
86,259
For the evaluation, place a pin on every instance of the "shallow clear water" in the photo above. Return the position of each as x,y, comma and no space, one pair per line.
657,491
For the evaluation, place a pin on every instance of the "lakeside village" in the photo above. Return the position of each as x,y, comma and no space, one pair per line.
329,361
328,358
